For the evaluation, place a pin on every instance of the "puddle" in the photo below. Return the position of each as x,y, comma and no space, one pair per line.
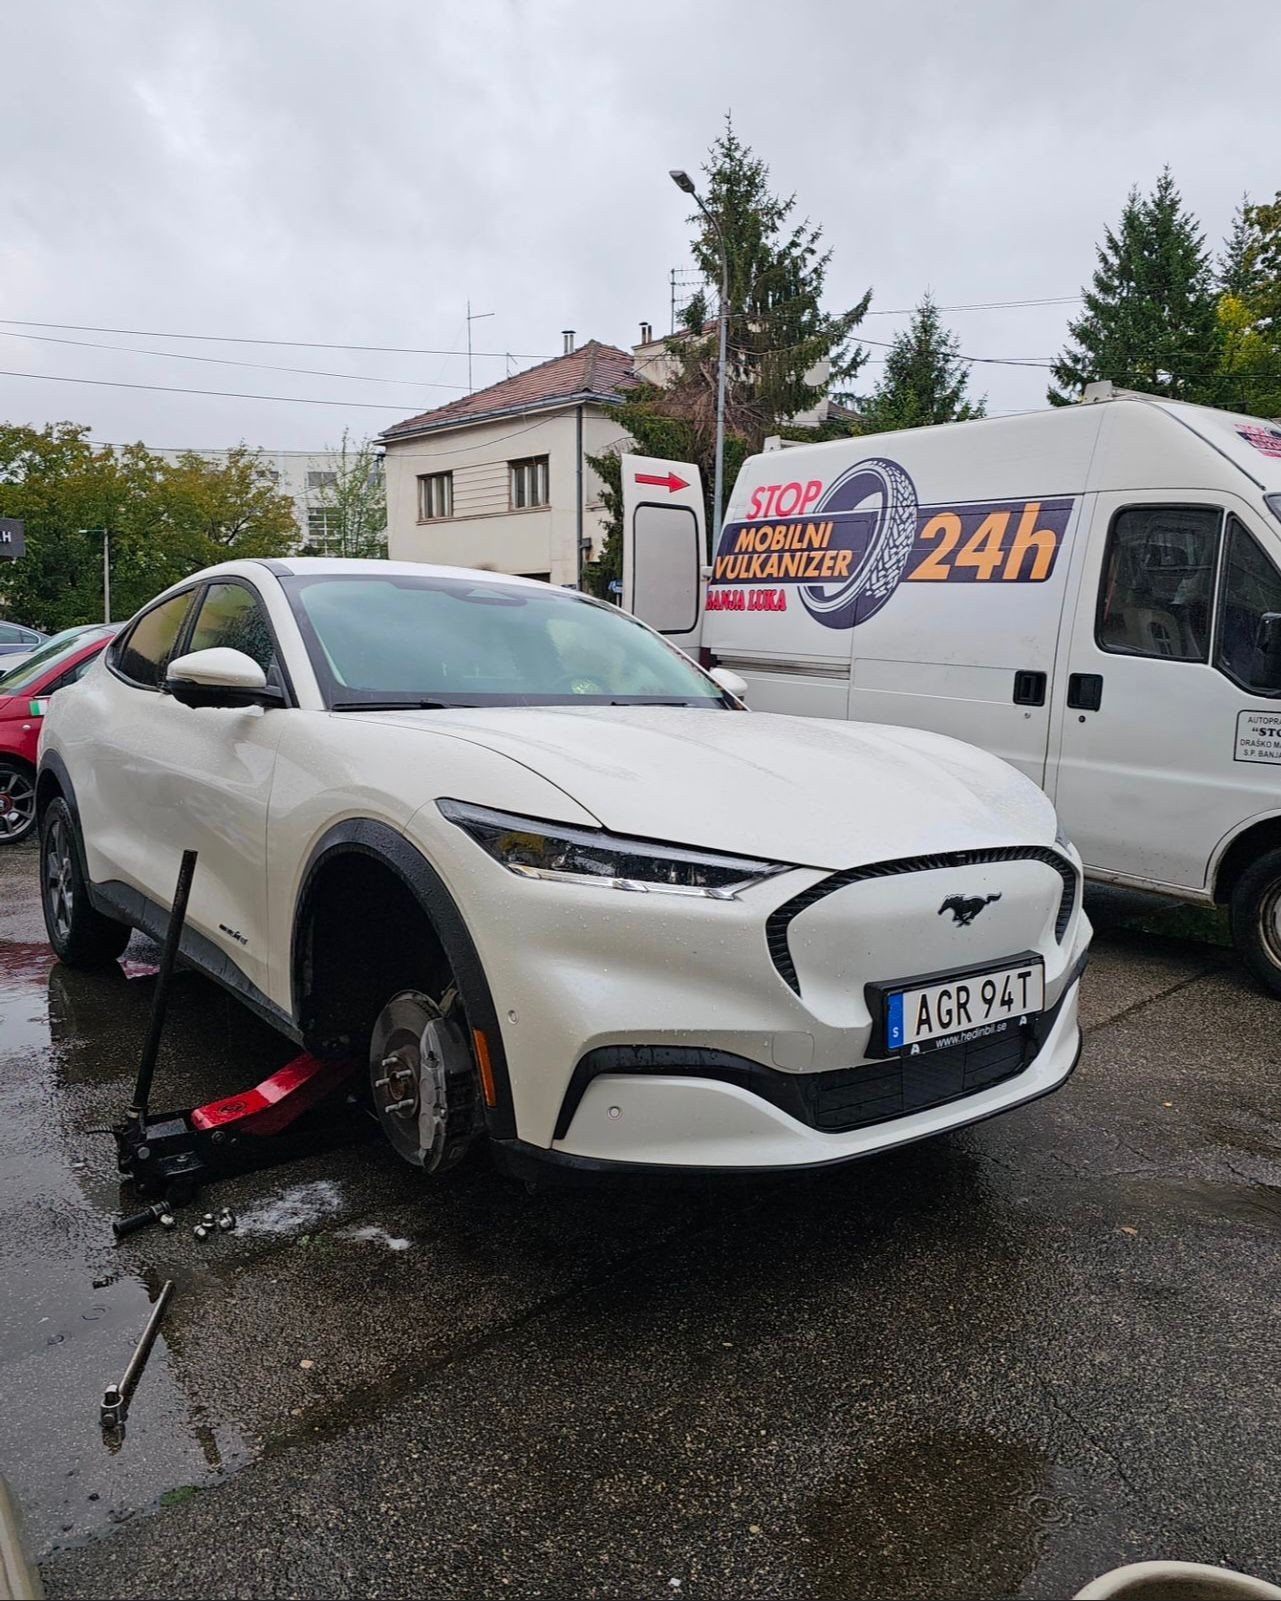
951,1514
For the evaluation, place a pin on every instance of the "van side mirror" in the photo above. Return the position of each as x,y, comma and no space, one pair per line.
730,682
1267,647
220,677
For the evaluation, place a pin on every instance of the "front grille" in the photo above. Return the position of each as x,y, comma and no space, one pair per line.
776,925
858,1096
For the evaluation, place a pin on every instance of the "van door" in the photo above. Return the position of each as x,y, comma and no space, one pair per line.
1168,676
967,644
664,547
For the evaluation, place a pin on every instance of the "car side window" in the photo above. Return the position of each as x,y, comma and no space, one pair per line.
1249,646
231,615
144,656
11,634
1157,591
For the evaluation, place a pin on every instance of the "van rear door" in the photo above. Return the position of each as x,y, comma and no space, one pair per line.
664,547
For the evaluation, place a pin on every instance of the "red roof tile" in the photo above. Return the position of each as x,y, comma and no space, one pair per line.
593,369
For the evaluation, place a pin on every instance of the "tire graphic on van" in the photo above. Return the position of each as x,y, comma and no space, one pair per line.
880,491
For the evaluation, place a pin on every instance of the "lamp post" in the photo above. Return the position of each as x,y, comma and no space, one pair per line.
684,182
106,569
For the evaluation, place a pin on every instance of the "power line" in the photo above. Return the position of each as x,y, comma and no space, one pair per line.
224,394
227,361
240,339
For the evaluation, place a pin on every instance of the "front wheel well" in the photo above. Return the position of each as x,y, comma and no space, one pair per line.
1247,847
361,935
47,790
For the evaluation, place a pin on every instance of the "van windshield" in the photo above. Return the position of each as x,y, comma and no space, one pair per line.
402,640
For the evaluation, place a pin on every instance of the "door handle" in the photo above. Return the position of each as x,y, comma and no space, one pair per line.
1085,691
1029,688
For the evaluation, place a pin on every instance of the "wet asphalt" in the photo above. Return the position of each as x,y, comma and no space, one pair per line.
993,1364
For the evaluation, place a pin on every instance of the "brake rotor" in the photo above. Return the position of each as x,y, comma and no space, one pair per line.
423,1080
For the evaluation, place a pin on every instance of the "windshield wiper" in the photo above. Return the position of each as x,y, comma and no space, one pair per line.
392,705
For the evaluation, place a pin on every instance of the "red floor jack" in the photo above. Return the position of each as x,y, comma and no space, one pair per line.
169,1155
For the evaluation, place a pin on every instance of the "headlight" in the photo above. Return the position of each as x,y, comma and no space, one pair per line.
533,849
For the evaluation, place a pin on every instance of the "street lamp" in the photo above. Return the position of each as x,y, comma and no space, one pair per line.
106,569
685,183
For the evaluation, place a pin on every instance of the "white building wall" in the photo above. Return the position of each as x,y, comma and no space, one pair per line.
484,531
291,468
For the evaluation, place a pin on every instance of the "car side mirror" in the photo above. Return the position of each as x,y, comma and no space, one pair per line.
730,682
220,677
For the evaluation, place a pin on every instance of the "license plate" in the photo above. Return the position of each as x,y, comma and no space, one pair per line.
954,1011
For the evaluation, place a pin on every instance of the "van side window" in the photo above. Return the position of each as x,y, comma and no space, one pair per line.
1249,649
1157,593
145,652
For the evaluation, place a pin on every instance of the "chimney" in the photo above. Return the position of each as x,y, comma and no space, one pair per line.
647,333
569,341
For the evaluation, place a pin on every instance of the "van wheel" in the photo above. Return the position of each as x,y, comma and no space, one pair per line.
1255,911
80,936
423,1080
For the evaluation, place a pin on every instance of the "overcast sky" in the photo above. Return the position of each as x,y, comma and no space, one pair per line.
355,173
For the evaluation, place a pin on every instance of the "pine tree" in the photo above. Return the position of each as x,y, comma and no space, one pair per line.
1250,314
1150,319
1235,268
778,330
925,380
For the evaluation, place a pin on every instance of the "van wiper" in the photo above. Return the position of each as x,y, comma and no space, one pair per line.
392,705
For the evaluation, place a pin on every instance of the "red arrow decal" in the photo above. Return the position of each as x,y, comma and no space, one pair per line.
671,483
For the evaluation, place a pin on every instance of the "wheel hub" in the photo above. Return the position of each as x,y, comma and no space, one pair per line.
423,1080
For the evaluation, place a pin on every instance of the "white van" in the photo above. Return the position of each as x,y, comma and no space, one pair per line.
1092,593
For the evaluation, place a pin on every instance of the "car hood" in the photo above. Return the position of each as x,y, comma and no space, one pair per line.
796,789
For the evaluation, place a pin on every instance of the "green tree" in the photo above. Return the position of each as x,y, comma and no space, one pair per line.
1235,272
780,337
779,332
925,380
355,504
165,520
1150,319
1250,314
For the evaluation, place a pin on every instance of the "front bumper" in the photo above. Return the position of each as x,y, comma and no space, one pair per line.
585,975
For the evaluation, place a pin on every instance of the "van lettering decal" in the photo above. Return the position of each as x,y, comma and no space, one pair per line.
848,547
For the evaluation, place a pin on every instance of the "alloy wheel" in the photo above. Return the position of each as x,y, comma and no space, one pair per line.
59,885
17,803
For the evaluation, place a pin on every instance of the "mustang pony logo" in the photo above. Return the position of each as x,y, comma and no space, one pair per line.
965,908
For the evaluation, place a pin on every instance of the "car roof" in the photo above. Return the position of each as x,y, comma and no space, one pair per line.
324,566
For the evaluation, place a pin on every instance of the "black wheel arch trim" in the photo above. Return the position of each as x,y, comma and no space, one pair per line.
364,837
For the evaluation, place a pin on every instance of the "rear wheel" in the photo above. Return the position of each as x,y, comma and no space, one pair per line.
17,801
1255,911
423,1080
80,936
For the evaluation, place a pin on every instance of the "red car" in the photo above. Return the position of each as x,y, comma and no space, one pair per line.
23,692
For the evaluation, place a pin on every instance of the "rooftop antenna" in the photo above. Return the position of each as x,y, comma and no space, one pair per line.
472,316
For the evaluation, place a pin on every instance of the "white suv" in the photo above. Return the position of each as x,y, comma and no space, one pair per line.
554,879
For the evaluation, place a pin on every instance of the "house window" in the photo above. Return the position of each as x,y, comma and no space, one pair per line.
528,482
435,496
321,480
324,530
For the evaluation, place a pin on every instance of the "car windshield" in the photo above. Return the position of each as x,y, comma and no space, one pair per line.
445,641
50,654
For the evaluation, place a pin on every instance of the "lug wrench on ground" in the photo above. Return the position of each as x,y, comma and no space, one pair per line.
116,1397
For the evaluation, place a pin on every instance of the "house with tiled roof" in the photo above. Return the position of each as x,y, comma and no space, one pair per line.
500,477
